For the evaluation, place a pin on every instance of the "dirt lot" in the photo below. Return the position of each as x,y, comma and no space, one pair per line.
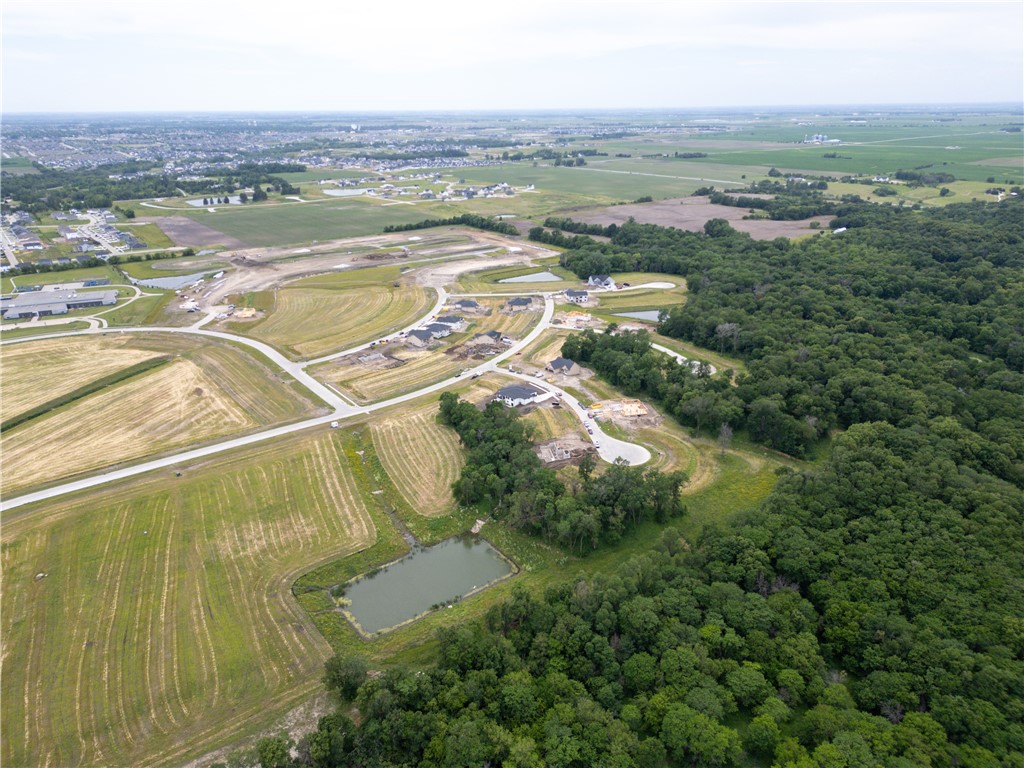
187,231
690,213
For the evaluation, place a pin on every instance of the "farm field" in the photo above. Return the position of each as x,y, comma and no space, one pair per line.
174,406
164,622
320,315
205,392
65,364
420,367
421,457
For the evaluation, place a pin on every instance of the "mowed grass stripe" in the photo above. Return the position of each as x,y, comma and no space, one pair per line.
421,457
310,322
182,586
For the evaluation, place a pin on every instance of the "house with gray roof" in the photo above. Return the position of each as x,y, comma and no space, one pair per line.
577,297
517,394
564,366
601,281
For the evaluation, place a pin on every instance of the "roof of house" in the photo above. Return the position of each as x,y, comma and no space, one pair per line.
521,301
466,303
572,292
421,334
450,319
561,362
517,392
496,335
438,328
600,278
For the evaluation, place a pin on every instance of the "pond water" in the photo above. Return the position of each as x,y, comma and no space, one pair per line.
430,575
650,315
344,192
170,283
535,277
232,200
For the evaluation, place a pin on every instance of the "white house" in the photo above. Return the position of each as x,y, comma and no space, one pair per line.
517,394
577,297
601,281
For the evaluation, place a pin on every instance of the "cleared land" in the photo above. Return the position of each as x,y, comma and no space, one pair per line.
693,212
309,321
184,230
205,393
422,458
164,620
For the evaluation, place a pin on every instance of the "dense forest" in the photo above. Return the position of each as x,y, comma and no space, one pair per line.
49,189
869,613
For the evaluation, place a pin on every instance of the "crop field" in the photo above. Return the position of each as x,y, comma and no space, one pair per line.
65,364
207,392
420,367
174,406
421,457
597,181
163,621
289,223
308,322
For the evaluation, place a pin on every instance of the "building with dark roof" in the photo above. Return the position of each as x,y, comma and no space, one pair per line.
517,394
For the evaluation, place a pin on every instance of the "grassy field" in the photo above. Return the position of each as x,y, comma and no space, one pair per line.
550,423
489,280
208,391
420,367
421,458
320,315
164,622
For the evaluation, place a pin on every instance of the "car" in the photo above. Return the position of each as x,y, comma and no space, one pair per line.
590,431
597,443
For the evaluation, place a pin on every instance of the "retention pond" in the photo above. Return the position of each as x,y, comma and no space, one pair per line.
650,315
429,577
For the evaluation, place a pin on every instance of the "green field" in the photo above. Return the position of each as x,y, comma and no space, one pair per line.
164,624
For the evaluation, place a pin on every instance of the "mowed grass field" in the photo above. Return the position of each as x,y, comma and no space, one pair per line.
205,392
421,367
320,315
164,623
421,457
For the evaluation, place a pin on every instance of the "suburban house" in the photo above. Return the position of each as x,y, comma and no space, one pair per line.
564,366
466,304
488,337
419,337
517,394
519,304
452,321
577,297
601,281
438,330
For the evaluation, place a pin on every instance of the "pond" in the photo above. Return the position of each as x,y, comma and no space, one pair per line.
427,577
344,192
169,283
650,315
535,277
232,200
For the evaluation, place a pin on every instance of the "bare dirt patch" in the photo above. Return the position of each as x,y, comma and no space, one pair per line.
186,231
691,213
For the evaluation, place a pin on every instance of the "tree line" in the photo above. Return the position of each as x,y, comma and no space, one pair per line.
465,220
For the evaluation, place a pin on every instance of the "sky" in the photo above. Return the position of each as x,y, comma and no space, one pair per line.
415,55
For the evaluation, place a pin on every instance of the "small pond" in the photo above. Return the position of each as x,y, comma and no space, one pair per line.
426,577
535,277
170,283
232,200
650,315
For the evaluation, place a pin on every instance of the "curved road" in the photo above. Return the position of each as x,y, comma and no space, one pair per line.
610,449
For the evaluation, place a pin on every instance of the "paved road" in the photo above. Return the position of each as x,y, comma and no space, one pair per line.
610,449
